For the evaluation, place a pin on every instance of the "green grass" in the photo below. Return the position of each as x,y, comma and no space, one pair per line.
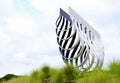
69,74
115,68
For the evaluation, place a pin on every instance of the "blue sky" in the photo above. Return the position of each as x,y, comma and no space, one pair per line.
27,31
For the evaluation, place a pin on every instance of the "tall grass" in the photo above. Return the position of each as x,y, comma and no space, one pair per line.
66,74
96,76
69,74
115,68
58,77
23,79
40,76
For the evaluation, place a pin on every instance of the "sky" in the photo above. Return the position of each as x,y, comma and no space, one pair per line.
28,38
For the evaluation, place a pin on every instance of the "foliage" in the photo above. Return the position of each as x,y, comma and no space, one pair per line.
115,68
58,77
22,79
8,77
69,74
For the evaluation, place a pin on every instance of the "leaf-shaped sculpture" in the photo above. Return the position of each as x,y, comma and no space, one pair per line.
79,43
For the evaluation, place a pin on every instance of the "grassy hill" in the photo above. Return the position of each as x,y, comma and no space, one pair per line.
69,74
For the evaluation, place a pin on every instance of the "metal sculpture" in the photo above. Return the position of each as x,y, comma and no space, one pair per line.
79,43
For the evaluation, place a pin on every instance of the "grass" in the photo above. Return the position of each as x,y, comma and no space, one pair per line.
69,74
115,68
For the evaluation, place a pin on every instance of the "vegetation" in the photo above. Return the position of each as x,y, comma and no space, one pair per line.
69,74
8,77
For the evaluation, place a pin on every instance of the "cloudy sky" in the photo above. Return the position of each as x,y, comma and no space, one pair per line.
27,31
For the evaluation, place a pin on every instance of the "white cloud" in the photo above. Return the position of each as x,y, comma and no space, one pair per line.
111,40
6,49
95,7
4,37
42,45
53,61
45,6
20,68
1,57
6,4
36,45
15,68
21,25
20,55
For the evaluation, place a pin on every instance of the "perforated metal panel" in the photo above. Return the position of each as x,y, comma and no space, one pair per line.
79,43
